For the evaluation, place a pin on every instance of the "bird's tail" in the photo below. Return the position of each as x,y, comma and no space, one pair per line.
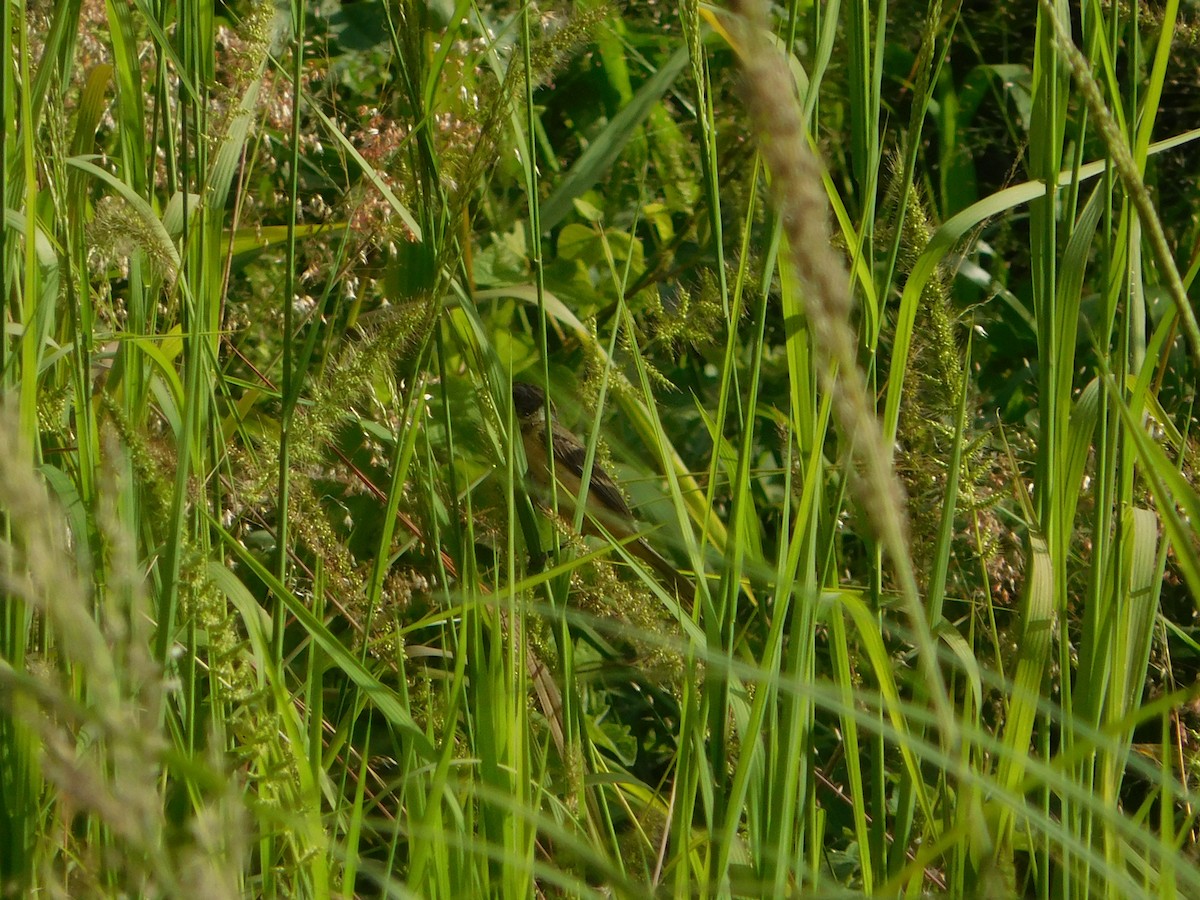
673,579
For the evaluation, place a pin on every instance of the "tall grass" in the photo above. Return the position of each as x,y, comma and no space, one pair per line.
281,616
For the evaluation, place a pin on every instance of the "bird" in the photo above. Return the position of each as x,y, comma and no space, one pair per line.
605,504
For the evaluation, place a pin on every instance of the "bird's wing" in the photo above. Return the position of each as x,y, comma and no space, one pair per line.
604,490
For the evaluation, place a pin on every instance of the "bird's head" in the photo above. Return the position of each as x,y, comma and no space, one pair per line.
528,400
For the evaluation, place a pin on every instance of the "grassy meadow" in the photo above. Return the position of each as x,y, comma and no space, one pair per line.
881,314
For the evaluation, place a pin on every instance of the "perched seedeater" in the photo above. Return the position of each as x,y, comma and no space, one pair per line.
605,503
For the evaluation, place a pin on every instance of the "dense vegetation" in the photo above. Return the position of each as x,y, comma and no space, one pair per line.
878,313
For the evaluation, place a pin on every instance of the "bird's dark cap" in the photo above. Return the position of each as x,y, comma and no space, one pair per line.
527,399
